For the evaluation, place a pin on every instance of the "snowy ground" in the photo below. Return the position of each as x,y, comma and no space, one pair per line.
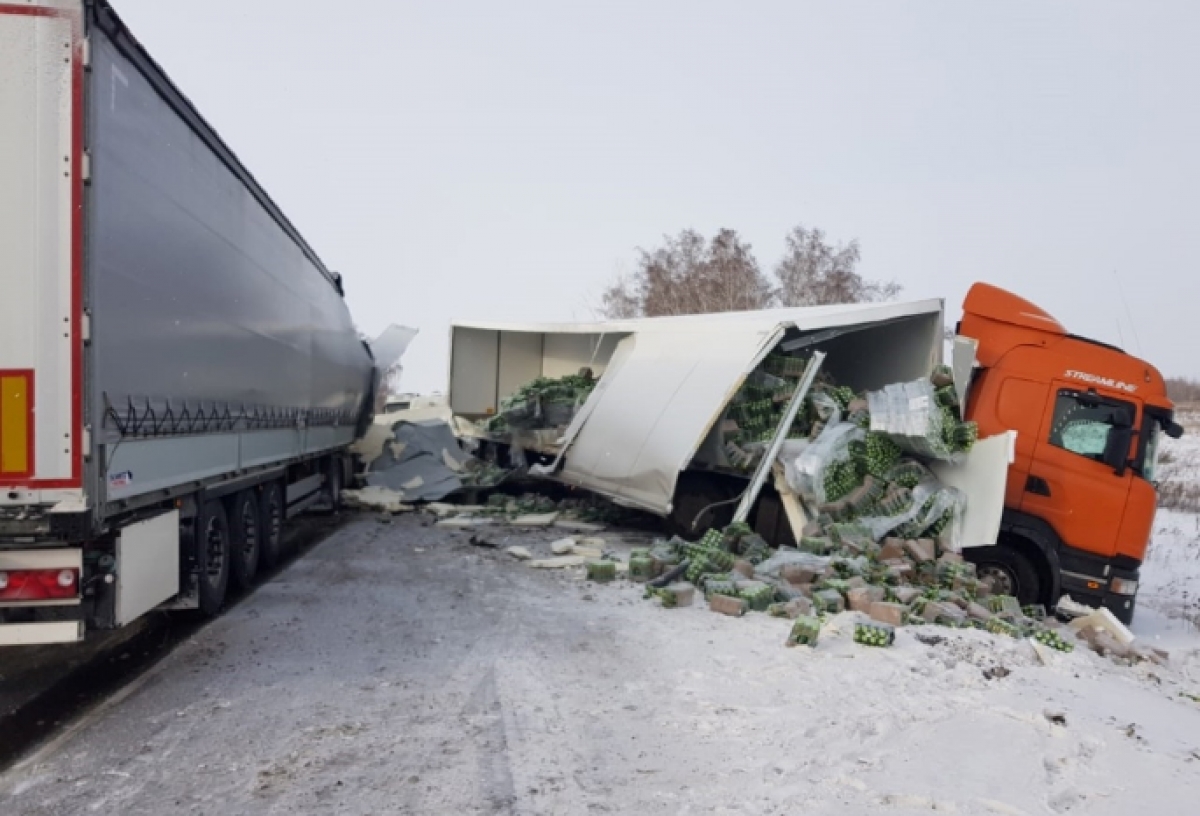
1171,574
398,669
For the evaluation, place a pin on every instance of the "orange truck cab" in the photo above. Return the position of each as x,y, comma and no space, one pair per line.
1081,494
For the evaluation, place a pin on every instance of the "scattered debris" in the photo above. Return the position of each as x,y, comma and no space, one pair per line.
1070,608
520,553
575,526
563,546
1105,621
464,522
996,673
735,564
874,634
677,594
893,614
422,461
1055,717
535,520
559,562
601,571
805,631
728,605
377,498
477,541
1054,640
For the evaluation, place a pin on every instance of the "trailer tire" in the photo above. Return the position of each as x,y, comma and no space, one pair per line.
245,538
212,557
334,479
703,500
1011,572
272,514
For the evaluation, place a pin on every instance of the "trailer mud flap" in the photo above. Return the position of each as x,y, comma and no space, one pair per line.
147,566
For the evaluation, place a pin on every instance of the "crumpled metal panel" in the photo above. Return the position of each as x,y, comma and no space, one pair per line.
422,462
659,400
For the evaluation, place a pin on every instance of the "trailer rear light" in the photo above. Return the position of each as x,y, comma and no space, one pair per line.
1123,586
38,585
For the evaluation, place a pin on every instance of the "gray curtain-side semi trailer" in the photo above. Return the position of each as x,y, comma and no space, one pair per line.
178,370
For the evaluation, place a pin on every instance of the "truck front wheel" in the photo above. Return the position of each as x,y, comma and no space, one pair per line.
1008,571
212,557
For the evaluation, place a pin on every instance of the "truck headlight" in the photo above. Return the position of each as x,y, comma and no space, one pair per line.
1123,586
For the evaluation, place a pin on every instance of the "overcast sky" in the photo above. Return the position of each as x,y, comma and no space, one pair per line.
504,160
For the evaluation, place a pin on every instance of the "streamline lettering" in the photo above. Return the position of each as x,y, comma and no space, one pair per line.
1107,382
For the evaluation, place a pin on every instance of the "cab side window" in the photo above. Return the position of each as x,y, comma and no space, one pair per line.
1082,423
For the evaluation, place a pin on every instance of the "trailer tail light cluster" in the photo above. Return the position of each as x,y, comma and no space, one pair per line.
39,585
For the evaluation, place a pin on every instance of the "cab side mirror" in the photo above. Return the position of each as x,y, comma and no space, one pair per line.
1116,450
1174,430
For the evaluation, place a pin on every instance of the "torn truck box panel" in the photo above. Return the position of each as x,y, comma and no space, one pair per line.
667,380
421,461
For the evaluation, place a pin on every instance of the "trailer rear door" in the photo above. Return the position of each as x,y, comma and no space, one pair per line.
41,213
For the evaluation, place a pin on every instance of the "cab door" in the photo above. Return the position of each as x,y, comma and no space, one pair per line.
1070,485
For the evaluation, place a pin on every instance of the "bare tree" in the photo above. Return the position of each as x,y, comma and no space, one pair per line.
812,272
1182,390
688,275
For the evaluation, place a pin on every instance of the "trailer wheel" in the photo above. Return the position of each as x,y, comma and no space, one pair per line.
1009,572
272,513
212,557
703,500
333,484
245,536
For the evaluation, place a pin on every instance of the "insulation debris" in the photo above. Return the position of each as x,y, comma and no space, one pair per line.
421,461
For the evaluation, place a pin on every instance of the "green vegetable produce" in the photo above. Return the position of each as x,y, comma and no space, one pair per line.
805,631
1053,640
874,634
601,571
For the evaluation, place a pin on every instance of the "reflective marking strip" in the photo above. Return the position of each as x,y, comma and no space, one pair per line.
16,423
31,634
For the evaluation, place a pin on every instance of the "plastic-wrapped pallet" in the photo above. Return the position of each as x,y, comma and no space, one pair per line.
824,471
911,415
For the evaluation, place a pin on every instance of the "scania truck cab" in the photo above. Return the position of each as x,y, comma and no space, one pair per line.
1081,496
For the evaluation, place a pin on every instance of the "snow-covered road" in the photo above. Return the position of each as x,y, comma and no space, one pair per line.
398,669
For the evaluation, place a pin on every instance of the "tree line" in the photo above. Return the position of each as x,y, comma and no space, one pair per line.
691,274
1183,390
